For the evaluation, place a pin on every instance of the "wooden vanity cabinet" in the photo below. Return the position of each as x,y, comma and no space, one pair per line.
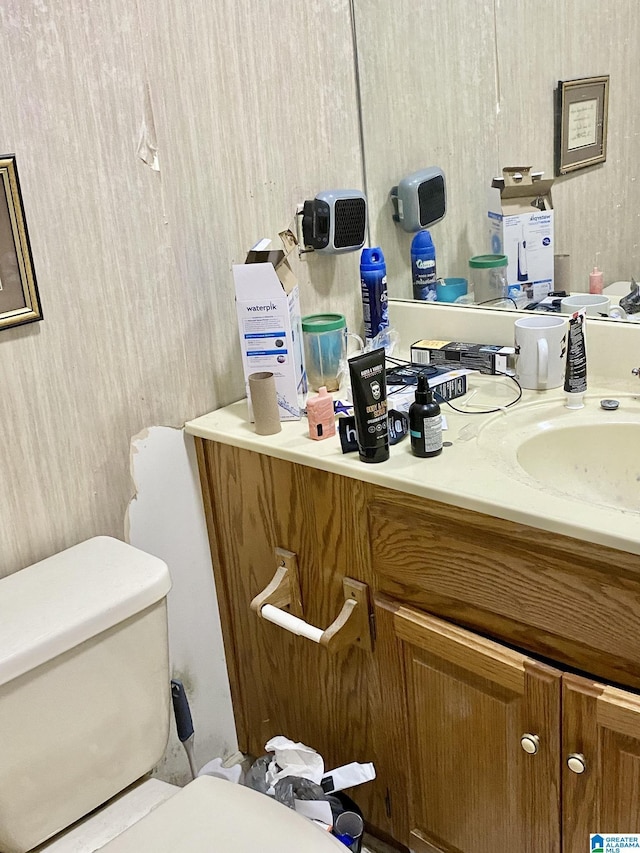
340,704
507,752
600,732
480,627
470,704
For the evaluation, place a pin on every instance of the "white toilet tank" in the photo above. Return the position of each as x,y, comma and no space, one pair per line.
84,684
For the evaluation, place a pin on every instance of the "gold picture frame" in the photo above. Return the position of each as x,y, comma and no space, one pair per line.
19,298
581,123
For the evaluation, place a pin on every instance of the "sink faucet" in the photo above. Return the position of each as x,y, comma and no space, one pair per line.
636,371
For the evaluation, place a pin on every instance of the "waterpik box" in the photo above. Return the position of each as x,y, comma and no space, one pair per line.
521,227
269,325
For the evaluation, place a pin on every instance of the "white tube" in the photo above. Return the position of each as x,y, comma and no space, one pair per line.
291,623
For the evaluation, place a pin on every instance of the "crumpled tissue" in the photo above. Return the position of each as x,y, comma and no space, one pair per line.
292,759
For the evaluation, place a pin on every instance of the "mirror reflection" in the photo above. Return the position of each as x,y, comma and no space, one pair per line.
470,88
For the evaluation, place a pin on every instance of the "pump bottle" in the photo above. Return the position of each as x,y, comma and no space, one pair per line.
596,281
425,422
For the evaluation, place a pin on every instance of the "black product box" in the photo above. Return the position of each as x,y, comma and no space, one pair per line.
486,358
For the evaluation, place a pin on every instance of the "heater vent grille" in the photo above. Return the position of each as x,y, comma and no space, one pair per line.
431,200
350,222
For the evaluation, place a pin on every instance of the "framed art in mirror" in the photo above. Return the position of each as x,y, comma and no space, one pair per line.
581,123
19,298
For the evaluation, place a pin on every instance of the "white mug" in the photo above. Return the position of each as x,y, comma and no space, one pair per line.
596,304
541,344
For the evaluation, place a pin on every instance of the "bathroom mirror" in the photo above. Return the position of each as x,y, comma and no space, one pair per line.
470,87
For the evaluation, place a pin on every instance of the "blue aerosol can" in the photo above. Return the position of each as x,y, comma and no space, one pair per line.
423,267
373,281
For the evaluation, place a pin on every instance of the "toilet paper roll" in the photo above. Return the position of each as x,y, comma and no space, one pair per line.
291,623
562,273
264,402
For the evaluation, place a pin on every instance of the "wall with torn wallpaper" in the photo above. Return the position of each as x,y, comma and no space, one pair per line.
154,143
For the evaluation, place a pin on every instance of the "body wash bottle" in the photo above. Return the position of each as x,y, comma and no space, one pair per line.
425,422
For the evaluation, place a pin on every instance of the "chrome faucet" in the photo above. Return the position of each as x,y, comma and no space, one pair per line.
636,371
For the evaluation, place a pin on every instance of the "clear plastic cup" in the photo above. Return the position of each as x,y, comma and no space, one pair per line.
325,346
489,276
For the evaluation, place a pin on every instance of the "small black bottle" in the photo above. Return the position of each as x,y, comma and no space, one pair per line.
425,422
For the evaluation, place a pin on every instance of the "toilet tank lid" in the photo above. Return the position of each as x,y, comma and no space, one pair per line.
58,603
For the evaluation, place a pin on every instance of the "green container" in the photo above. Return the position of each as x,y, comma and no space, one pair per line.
325,344
488,273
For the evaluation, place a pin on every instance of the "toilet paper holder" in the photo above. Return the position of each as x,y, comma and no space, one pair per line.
352,626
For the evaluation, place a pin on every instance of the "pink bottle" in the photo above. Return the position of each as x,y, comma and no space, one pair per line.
596,281
320,414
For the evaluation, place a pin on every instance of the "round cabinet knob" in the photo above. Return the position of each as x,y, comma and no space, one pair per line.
576,763
530,743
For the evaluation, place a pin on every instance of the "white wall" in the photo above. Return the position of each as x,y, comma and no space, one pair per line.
166,519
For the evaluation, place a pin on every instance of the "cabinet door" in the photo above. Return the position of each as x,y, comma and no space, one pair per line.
281,683
601,761
470,701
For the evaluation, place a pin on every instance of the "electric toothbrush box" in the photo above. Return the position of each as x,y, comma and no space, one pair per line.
270,327
521,227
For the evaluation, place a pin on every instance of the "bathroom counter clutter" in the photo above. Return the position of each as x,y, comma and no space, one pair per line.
465,594
488,597
535,463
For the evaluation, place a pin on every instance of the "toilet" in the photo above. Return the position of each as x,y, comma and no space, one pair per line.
84,716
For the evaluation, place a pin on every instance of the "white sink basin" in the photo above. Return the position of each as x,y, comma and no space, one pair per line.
587,454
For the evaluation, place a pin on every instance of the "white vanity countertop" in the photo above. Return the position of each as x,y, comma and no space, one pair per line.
464,474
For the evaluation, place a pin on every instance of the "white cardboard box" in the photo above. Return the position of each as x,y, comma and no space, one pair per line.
269,324
521,227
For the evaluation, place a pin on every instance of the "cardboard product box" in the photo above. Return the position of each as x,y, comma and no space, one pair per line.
448,382
521,227
269,325
487,358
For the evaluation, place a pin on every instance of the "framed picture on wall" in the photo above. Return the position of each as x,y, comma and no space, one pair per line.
581,123
19,299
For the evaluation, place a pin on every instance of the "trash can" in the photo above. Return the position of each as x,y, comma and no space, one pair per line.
292,773
347,823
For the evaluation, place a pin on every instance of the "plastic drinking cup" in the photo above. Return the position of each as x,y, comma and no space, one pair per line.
450,289
325,346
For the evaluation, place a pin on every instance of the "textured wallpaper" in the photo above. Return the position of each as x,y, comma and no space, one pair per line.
155,143
469,86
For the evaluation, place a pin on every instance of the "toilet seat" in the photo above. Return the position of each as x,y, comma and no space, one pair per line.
210,815
92,832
